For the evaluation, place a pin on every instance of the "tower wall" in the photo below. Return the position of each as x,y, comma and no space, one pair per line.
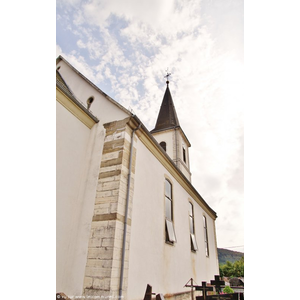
175,142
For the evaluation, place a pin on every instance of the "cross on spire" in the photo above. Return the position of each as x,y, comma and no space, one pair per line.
217,282
167,76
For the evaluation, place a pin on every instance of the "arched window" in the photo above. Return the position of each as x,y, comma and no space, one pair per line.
205,236
163,145
194,246
89,102
170,233
184,156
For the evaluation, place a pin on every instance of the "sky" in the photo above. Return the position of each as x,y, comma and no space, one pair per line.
127,47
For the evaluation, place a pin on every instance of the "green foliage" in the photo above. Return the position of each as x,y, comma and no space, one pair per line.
228,290
233,269
221,272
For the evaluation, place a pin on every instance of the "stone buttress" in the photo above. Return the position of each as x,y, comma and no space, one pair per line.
102,273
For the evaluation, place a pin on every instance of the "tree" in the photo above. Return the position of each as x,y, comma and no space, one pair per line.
235,269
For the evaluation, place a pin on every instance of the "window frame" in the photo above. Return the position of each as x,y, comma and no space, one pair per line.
164,146
205,236
184,154
89,102
170,236
194,246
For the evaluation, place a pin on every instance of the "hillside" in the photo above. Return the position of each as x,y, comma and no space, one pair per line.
232,256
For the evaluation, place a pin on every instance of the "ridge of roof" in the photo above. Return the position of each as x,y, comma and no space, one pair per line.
61,84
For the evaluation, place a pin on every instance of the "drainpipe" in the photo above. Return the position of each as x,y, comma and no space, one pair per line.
126,213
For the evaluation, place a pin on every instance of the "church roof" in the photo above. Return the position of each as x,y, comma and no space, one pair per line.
62,85
167,117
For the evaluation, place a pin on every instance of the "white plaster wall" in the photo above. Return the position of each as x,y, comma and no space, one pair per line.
102,108
152,261
78,157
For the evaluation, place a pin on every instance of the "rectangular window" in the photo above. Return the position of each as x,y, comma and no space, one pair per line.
205,236
170,233
194,246
184,158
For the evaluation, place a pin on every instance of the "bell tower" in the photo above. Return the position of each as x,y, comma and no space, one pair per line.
169,134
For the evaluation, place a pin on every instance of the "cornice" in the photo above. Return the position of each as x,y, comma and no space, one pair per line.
149,141
74,109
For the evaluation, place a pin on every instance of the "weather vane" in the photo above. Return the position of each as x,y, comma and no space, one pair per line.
167,76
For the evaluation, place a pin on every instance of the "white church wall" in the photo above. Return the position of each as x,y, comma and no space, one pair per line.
78,158
151,260
101,107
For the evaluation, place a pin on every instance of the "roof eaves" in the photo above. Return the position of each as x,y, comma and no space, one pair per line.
68,93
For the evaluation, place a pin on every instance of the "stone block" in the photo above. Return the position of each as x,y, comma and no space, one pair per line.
111,162
119,134
109,199
109,173
93,294
106,179
108,138
101,194
103,208
95,242
99,263
101,284
88,282
114,207
97,272
108,242
113,146
108,186
100,253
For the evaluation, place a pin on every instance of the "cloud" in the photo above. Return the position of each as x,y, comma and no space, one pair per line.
97,12
58,51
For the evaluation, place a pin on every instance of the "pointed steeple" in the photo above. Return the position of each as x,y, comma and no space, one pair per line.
170,136
167,117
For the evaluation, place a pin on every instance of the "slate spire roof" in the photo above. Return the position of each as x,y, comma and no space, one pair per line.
167,117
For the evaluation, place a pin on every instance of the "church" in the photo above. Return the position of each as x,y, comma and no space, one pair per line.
127,214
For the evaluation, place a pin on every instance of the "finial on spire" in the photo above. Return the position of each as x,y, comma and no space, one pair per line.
167,76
